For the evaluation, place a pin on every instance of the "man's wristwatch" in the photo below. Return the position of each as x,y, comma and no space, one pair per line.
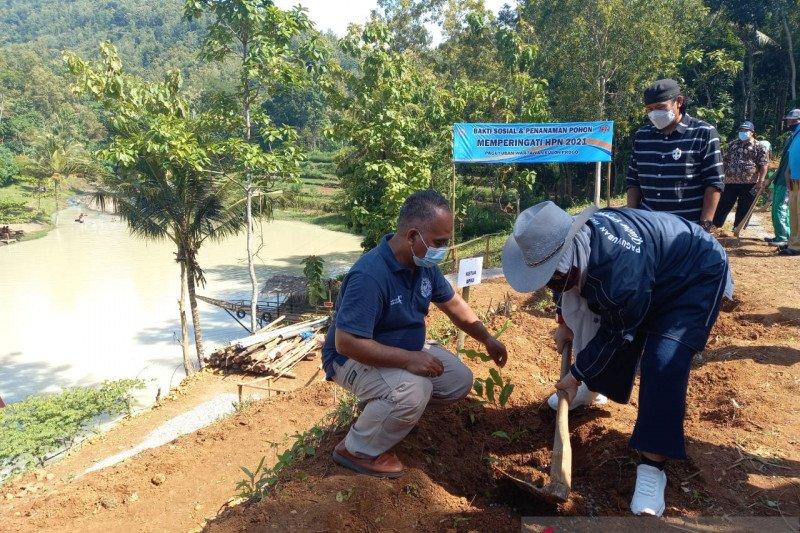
707,224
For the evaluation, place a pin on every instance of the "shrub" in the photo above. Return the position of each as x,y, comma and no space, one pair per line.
35,428
482,219
14,213
8,167
313,269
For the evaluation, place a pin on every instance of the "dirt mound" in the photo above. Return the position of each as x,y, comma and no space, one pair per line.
742,444
742,427
170,488
341,502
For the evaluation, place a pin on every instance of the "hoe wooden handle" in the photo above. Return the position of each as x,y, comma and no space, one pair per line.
561,465
738,229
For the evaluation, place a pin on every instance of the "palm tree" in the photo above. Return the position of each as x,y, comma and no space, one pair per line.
184,205
54,162
162,184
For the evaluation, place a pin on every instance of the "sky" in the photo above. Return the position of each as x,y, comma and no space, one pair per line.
335,15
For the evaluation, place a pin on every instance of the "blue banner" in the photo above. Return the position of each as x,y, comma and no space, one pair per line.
568,142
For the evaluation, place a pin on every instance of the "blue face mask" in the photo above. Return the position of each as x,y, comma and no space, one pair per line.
433,256
744,135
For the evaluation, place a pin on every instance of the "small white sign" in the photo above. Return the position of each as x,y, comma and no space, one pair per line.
470,271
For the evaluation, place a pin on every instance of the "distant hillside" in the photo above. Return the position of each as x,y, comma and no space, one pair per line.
151,35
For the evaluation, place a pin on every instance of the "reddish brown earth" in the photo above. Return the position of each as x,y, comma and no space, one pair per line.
743,431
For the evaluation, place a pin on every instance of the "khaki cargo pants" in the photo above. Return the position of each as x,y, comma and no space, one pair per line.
393,399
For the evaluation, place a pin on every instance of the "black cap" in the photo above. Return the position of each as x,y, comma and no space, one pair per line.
661,91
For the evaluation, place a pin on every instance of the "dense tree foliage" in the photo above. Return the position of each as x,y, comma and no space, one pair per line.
151,37
163,166
390,92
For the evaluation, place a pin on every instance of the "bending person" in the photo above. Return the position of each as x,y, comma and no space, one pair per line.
376,346
636,288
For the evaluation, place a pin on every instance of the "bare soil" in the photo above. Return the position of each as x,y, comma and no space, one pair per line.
743,432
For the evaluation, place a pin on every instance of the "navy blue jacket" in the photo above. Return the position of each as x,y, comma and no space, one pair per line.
648,272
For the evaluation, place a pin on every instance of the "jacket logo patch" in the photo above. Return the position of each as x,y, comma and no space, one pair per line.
397,300
676,154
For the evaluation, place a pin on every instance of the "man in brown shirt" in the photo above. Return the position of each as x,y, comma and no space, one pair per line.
745,163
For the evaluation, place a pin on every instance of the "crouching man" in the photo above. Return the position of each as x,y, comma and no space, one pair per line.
376,346
635,288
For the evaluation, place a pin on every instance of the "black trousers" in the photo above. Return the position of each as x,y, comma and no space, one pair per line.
741,194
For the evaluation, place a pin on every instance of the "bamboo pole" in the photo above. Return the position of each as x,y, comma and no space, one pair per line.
461,335
608,185
597,178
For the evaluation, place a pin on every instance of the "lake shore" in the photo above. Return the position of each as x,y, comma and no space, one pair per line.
89,302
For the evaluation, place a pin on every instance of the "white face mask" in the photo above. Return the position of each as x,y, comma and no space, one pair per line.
661,118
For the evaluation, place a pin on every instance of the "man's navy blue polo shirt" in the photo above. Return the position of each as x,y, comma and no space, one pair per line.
385,301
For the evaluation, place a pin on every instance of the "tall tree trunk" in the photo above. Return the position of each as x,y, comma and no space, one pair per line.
198,330
187,362
750,100
743,83
790,51
249,190
601,85
250,265
55,196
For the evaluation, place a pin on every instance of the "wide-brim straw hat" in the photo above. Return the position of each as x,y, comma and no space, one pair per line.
541,236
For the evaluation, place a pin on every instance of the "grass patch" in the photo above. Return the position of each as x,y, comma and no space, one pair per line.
37,209
331,221
320,157
263,480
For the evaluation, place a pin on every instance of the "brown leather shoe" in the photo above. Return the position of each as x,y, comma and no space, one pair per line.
385,465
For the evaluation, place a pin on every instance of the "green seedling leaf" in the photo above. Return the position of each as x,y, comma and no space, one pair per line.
344,495
474,354
247,472
490,390
501,435
478,387
495,376
502,329
412,489
505,394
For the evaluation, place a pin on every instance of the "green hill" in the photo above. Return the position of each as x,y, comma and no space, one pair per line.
151,35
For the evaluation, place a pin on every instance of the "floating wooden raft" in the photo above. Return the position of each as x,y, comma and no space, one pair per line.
272,350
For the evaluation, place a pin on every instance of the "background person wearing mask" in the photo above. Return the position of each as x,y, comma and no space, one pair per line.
676,165
745,164
780,199
790,173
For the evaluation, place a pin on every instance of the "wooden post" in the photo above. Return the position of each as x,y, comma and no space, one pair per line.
461,334
597,177
608,185
453,197
486,261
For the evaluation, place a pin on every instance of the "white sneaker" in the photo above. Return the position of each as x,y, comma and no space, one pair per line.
648,497
583,397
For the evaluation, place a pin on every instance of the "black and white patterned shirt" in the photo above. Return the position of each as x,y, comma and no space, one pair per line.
674,170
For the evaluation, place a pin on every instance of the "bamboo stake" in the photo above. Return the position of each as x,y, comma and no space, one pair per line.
271,325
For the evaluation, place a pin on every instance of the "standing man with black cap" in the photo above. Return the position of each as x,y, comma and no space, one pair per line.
676,164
